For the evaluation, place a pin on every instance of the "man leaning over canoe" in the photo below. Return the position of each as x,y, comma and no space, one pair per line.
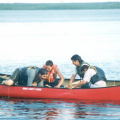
92,77
26,75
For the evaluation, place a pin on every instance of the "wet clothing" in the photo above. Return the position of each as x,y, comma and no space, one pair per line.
24,76
95,77
78,69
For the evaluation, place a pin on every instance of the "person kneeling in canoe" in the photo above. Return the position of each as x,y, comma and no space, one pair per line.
94,77
78,62
25,76
53,71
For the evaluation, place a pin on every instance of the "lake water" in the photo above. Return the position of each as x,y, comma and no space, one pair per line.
33,37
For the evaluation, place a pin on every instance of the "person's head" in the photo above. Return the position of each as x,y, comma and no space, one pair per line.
84,68
76,60
42,73
49,65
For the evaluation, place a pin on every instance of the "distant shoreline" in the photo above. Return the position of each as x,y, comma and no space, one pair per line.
59,6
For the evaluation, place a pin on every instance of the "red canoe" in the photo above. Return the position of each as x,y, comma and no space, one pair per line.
108,93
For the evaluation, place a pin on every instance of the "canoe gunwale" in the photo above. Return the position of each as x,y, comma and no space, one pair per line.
58,88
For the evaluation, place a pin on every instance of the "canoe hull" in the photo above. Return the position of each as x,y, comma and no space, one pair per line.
109,93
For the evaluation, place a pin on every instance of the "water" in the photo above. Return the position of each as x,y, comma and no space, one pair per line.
33,37
56,110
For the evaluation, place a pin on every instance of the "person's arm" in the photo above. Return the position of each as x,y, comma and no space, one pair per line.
36,81
78,85
61,78
86,79
71,80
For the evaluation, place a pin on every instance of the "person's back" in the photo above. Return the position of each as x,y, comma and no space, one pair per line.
26,75
99,79
22,76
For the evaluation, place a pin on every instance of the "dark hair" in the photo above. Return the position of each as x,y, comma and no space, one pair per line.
84,67
49,63
76,57
42,71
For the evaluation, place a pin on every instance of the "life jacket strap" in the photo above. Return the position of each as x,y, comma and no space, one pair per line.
32,67
92,67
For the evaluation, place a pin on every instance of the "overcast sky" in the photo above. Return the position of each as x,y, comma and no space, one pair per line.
54,1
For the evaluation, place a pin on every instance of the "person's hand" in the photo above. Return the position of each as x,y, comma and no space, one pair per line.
4,82
67,86
71,87
47,86
34,84
56,87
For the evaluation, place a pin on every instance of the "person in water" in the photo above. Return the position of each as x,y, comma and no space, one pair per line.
78,62
52,72
25,76
94,77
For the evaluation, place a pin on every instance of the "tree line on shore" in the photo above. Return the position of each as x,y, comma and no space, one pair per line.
59,6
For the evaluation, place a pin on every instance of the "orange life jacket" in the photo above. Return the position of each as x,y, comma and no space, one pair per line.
52,75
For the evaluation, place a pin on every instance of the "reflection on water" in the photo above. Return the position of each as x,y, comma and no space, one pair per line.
48,109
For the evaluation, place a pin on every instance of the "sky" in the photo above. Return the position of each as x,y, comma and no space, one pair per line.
54,1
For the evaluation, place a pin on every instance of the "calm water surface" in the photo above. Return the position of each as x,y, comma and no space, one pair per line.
57,110
32,37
